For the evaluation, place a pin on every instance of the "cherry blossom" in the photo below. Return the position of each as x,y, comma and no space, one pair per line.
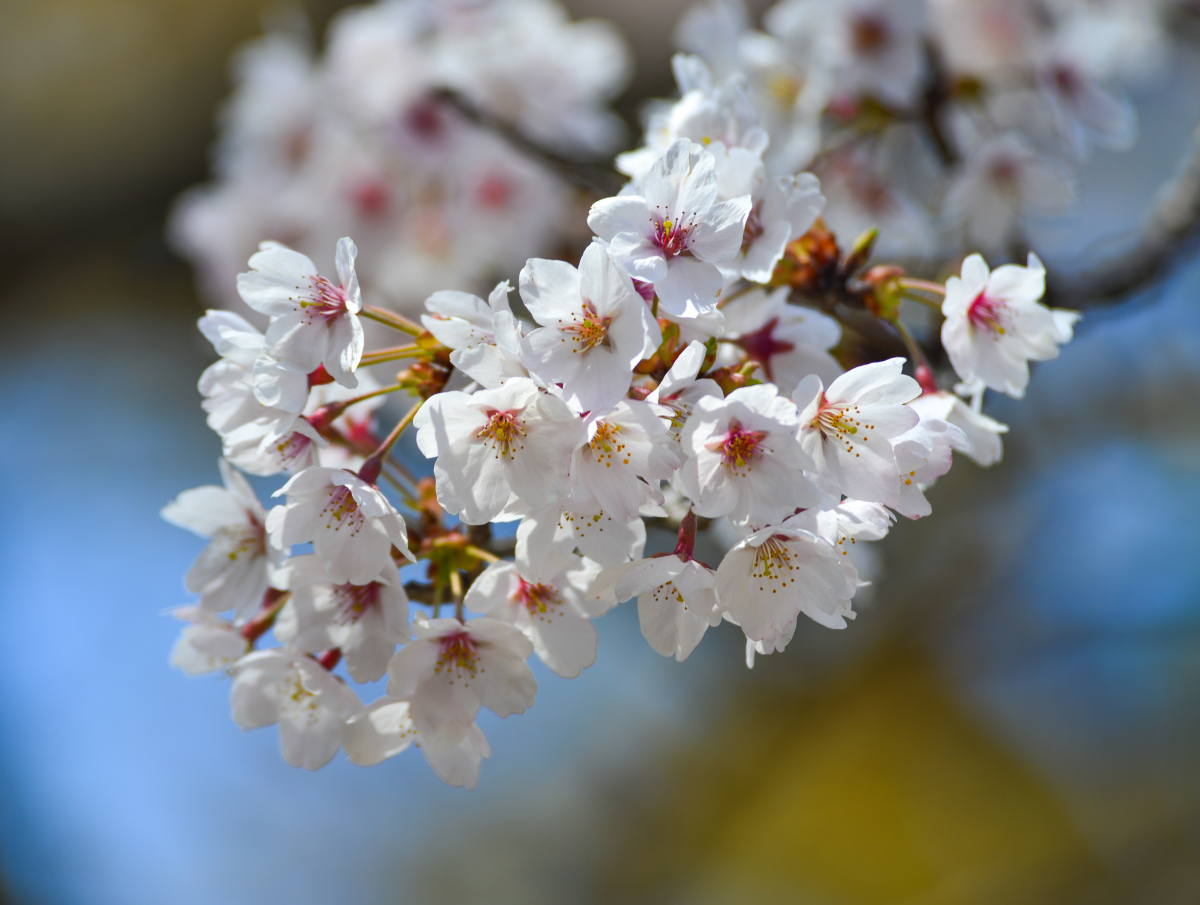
313,321
838,424
743,458
981,433
231,573
1002,179
514,439
789,341
778,572
782,209
554,614
386,728
995,326
352,526
625,446
676,234
451,669
309,703
873,47
680,389
364,621
594,327
487,340
548,537
677,597
207,644
923,454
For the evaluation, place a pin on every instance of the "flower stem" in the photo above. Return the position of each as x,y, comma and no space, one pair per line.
393,354
480,553
261,621
391,319
920,363
923,285
374,465
327,414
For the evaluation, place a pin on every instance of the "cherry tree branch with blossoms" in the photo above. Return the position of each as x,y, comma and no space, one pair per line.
729,353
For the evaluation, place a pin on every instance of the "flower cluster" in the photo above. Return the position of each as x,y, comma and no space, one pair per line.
362,140
714,359
938,120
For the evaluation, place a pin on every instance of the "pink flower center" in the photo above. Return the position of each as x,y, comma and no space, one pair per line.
762,344
590,330
539,599
645,290
741,447
353,600
988,314
457,653
672,235
292,448
869,34
504,432
342,511
494,191
324,302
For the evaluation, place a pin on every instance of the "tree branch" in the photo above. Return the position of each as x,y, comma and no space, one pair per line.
1171,229
599,180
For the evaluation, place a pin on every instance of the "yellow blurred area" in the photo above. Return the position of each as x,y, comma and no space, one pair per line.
878,790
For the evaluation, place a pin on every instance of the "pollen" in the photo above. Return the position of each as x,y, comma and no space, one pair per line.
504,432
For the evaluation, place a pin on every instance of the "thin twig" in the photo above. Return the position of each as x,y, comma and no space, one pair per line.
601,181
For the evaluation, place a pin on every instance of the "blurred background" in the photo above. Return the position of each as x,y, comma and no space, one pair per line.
1014,717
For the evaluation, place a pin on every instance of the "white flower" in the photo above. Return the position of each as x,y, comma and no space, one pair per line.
364,621
229,385
782,209
451,669
231,573
722,118
923,454
874,47
676,234
1003,178
554,614
982,434
995,326
514,439
594,327
487,340
386,728
789,341
308,702
313,322
778,572
837,426
351,525
743,458
677,599
548,537
626,443
679,391
273,443
207,643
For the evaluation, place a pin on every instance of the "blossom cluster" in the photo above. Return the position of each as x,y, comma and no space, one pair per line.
940,121
361,140
712,361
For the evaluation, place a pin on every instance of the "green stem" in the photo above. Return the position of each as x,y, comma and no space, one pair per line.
391,319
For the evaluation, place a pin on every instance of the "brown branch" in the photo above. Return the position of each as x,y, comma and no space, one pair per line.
599,180
1169,232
